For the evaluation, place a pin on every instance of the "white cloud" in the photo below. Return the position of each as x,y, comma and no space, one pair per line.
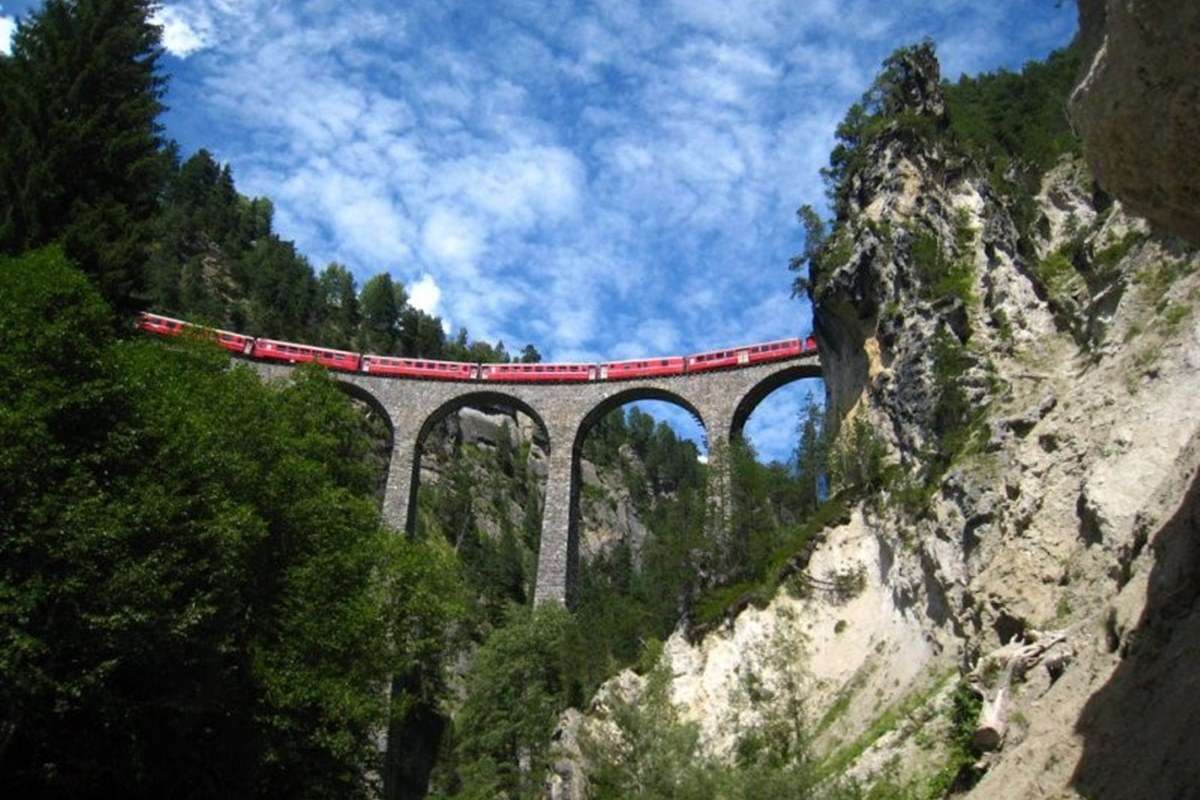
452,239
184,30
426,295
8,27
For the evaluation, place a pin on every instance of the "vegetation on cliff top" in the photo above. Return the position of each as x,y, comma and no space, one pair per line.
1011,126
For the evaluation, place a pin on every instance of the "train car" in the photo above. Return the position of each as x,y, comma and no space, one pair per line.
234,342
293,353
641,368
774,351
538,373
167,326
163,326
717,359
810,344
419,368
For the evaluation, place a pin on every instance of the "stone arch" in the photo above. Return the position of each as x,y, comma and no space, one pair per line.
456,403
632,395
479,398
594,415
368,398
758,392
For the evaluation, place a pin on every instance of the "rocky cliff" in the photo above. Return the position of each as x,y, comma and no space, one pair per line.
1022,617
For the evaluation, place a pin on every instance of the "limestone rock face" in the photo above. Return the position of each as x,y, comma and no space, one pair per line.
914,208
1073,511
1138,106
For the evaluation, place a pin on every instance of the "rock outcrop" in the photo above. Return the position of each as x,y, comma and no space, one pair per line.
1138,106
1034,538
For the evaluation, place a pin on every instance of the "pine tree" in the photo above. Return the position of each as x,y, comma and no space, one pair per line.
81,157
380,315
339,306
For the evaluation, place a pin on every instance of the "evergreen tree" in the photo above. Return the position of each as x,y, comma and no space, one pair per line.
530,355
810,458
197,595
80,150
422,335
281,289
380,315
339,306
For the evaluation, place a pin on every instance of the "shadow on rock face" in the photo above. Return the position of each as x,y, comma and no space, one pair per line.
1137,106
1140,729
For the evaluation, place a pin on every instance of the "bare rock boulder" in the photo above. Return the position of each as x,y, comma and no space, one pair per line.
1137,106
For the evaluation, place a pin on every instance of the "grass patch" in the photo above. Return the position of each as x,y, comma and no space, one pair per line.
1155,281
1057,275
903,709
1106,260
1174,316
842,701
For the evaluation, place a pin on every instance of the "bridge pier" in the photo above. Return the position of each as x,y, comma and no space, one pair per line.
399,497
558,549
720,475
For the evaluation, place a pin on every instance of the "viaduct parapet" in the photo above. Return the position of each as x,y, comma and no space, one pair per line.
721,401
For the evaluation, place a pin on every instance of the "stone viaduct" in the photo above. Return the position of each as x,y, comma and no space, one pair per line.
721,401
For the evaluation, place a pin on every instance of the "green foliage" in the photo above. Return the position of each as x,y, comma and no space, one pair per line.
1153,282
80,157
381,303
807,262
941,276
338,299
1015,126
1107,259
956,419
517,687
713,604
648,753
857,458
959,773
477,488
215,259
1008,119
890,107
195,585
1056,273
910,707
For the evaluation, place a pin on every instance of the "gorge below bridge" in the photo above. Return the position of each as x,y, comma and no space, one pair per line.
720,401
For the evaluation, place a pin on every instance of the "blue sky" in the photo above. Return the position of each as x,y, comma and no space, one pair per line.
603,179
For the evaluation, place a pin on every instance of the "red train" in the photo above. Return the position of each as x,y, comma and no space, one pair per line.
430,369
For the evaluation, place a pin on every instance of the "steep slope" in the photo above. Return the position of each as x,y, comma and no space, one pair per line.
1026,369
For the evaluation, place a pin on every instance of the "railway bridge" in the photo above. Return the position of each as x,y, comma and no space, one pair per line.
721,401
